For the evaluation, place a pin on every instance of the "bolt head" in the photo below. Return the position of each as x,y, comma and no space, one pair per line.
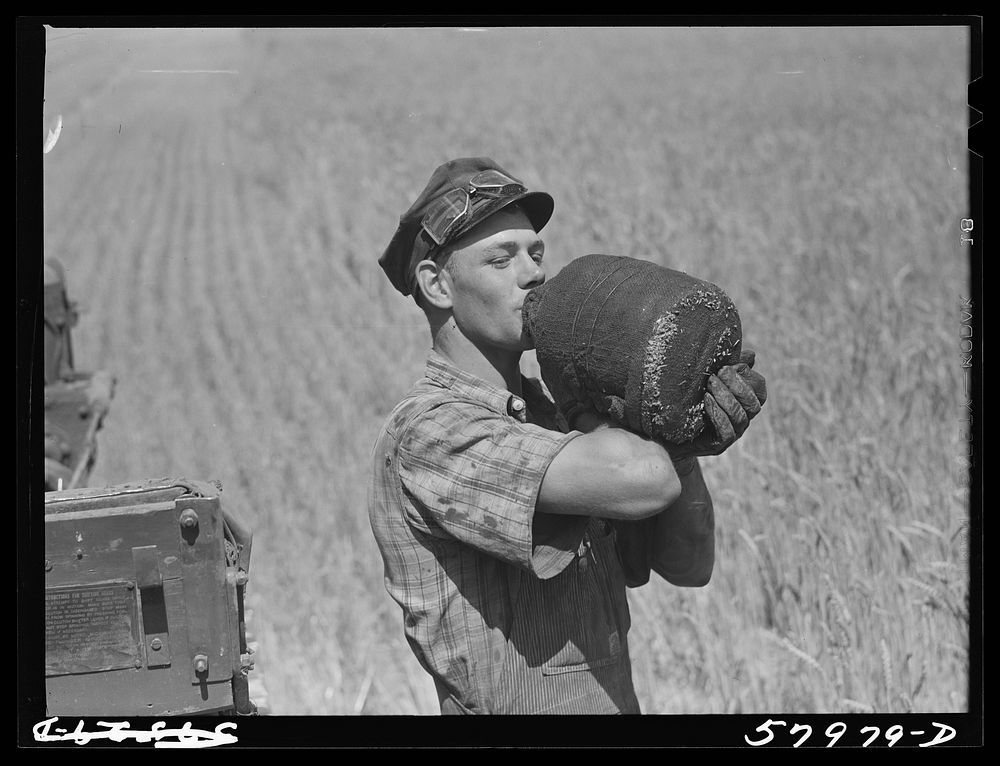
156,644
200,663
189,518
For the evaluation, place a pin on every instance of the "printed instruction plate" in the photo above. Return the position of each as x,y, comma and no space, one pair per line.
91,628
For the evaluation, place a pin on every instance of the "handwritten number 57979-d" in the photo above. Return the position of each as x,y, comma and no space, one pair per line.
837,729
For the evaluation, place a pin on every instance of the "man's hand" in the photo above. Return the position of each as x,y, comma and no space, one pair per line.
734,397
751,376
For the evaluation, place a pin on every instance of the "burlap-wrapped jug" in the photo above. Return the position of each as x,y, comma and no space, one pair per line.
635,340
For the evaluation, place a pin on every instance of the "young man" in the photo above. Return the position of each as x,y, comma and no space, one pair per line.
508,540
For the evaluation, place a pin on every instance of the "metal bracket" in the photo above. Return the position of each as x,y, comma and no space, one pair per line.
203,559
146,561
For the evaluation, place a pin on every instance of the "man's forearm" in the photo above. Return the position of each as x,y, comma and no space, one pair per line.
683,546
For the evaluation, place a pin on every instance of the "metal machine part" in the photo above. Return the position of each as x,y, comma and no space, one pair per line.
144,601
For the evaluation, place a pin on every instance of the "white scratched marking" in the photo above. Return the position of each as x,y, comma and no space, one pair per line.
49,143
795,71
120,731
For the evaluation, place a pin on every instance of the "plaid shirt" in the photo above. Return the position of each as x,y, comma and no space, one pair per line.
510,610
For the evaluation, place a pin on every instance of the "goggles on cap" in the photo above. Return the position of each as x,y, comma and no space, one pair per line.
454,207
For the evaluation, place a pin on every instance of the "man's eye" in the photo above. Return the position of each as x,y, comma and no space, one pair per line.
537,257
500,262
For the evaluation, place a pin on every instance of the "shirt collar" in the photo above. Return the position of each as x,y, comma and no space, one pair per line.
444,373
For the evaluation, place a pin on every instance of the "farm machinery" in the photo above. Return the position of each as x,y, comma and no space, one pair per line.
144,582
76,402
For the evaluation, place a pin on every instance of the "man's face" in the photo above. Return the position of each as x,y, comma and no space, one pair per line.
491,268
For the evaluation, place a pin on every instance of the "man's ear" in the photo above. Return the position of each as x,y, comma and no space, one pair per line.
433,280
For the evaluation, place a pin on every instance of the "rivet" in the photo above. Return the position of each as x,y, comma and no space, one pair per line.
130,585
79,553
156,644
138,663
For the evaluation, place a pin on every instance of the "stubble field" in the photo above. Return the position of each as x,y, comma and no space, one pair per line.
220,199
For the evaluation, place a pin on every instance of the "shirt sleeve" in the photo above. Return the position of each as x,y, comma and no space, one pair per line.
476,474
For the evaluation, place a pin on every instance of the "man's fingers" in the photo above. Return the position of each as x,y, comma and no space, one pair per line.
740,389
720,421
755,379
728,403
724,433
735,395
757,383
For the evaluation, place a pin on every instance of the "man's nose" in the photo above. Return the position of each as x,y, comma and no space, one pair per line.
531,273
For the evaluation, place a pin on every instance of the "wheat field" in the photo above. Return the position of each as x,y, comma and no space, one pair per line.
220,198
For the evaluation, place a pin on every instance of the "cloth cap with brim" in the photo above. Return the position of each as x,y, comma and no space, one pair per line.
411,244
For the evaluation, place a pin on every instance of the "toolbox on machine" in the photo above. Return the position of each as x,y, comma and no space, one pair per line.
144,587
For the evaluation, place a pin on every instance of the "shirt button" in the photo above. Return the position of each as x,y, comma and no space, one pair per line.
516,404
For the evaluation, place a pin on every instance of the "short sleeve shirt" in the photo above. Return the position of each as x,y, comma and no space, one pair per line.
511,610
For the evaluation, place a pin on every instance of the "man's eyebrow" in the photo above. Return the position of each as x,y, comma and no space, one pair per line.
511,246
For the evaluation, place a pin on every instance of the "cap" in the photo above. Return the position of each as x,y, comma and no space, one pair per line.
411,243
